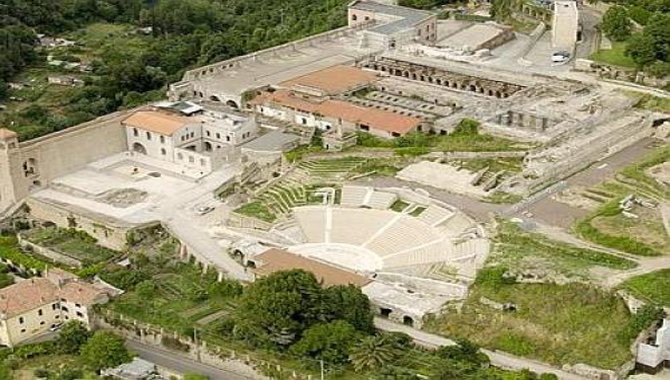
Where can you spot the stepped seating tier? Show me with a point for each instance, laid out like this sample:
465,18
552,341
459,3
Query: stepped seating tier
371,240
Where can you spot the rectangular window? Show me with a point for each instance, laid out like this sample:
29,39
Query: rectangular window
148,135
80,315
39,312
21,320
162,139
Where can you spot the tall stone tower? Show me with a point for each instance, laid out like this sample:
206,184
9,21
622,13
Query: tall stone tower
9,144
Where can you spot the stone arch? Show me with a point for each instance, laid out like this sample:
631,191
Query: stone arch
139,148
472,87
438,81
232,104
214,98
408,321
208,146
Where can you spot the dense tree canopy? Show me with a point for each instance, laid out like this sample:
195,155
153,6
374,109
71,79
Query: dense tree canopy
186,33
616,23
104,350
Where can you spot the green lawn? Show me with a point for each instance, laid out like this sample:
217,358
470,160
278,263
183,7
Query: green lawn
614,56
559,324
257,210
653,287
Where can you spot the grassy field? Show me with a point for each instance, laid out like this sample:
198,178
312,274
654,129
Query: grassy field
559,324
652,287
608,227
522,251
650,102
614,56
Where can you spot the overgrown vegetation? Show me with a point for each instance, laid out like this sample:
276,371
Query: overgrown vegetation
74,354
631,180
652,287
131,66
559,324
466,137
524,251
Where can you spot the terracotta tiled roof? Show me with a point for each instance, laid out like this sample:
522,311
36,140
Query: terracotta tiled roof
159,122
333,80
81,292
373,117
275,260
36,292
27,295
7,134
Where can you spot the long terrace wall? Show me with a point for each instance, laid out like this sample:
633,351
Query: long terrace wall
217,68
60,153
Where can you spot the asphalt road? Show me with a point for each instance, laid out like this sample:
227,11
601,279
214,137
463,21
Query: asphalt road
181,365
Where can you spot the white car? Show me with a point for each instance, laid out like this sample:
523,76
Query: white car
204,210
560,56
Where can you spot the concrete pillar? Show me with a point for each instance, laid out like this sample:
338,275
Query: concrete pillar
220,277
544,123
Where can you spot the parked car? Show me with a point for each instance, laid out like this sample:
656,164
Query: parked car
56,327
204,210
560,56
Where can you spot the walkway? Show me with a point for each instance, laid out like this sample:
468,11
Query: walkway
178,216
497,358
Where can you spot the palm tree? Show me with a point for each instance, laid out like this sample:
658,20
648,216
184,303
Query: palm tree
373,352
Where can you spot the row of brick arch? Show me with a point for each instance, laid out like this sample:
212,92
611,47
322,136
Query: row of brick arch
476,87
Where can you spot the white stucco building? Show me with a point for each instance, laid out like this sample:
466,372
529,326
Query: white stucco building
203,141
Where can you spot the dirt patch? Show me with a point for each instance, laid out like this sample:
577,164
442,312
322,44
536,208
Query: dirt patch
573,197
123,198
661,173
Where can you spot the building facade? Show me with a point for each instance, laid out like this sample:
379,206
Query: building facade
202,142
32,307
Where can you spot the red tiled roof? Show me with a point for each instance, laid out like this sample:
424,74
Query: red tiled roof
275,260
373,117
333,80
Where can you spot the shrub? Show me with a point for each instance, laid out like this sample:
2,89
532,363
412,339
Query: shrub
467,127
494,277
225,288
641,320
41,373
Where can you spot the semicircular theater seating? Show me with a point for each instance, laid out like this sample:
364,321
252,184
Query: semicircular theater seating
373,240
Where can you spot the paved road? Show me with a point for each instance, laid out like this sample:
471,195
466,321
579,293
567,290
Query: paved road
551,212
179,216
589,20
181,365
498,359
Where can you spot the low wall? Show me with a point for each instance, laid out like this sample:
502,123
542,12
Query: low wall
534,37
49,253
242,365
